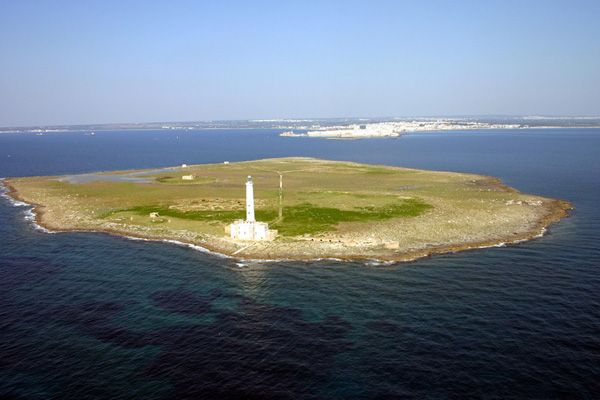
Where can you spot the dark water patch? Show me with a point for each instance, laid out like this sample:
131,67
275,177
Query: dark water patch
26,271
249,356
384,327
87,314
181,301
216,293
258,351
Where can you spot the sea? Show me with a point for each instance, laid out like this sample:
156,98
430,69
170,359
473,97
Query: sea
95,316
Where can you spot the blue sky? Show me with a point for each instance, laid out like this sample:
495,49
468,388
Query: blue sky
67,62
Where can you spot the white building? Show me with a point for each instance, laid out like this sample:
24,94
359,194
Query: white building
250,229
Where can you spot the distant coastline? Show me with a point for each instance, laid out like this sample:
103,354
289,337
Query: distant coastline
397,128
323,124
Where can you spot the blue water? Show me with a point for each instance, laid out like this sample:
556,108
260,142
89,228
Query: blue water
86,316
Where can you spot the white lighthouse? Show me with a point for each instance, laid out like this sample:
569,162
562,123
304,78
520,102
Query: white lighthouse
250,200
250,229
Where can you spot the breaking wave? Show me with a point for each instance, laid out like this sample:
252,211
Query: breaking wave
28,213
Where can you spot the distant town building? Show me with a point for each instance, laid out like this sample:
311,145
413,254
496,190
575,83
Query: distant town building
250,229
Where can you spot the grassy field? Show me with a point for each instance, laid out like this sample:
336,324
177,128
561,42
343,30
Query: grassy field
298,219
342,202
317,195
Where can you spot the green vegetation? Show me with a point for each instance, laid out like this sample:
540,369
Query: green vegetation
224,216
307,218
299,219
379,171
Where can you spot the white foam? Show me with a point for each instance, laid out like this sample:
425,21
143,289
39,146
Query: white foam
30,217
517,241
248,261
326,259
542,233
379,263
195,247
178,243
136,238
4,194
28,214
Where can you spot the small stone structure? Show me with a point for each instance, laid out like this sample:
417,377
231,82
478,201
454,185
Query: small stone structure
250,229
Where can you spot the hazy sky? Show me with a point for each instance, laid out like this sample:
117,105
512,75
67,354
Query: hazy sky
67,62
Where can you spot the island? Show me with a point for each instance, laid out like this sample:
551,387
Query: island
294,208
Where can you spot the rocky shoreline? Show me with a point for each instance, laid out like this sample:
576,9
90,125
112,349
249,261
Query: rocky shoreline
556,210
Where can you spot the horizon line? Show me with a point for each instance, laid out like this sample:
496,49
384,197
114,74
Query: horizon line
306,119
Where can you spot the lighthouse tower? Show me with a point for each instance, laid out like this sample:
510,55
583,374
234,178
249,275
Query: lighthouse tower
250,229
250,200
